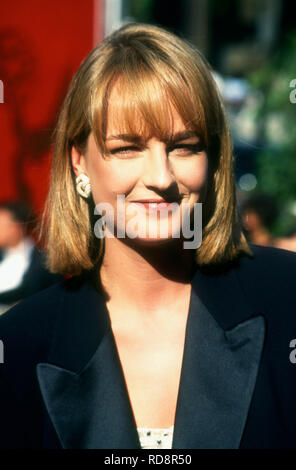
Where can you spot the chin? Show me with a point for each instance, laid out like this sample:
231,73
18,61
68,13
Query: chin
152,241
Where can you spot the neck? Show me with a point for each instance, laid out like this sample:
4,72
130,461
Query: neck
145,278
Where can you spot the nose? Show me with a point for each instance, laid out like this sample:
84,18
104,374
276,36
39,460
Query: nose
157,171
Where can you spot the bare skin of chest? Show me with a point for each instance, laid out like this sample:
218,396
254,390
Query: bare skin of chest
151,353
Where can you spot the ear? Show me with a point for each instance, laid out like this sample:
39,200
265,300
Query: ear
78,161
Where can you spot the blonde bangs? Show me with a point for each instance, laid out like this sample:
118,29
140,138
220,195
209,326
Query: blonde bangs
144,104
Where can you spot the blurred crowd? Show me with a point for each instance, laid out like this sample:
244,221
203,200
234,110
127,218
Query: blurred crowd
22,264
259,214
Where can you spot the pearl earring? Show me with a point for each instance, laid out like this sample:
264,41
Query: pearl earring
83,186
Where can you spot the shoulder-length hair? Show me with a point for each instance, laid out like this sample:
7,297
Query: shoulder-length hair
155,69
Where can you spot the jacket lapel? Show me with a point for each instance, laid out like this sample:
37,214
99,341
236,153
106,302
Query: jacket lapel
84,390
85,394
90,410
217,381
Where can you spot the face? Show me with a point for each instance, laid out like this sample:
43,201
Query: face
251,220
11,231
156,178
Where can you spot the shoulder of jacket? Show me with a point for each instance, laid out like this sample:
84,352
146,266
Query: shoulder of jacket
34,317
269,278
269,263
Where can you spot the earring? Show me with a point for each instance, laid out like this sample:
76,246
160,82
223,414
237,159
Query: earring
83,186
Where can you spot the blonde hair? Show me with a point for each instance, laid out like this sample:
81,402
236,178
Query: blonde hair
155,69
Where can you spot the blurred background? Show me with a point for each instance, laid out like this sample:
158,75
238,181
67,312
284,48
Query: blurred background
251,45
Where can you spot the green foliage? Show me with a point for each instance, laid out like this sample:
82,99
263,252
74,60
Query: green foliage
276,163
141,10
276,122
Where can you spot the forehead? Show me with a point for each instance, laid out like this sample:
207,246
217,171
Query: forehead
147,118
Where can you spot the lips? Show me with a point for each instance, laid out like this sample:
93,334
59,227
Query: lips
154,204
159,200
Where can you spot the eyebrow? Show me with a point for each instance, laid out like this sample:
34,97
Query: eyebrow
134,138
127,137
182,135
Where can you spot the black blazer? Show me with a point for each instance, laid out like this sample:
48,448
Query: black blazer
36,278
62,384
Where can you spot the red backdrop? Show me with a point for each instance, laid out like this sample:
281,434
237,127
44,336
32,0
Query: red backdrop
41,46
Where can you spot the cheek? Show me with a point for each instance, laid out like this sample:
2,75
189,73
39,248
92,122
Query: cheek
111,177
194,174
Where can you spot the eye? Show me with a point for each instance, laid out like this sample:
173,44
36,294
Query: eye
125,151
186,149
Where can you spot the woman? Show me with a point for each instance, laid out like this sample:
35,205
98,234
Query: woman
153,343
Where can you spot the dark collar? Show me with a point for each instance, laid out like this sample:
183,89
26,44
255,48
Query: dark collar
83,386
